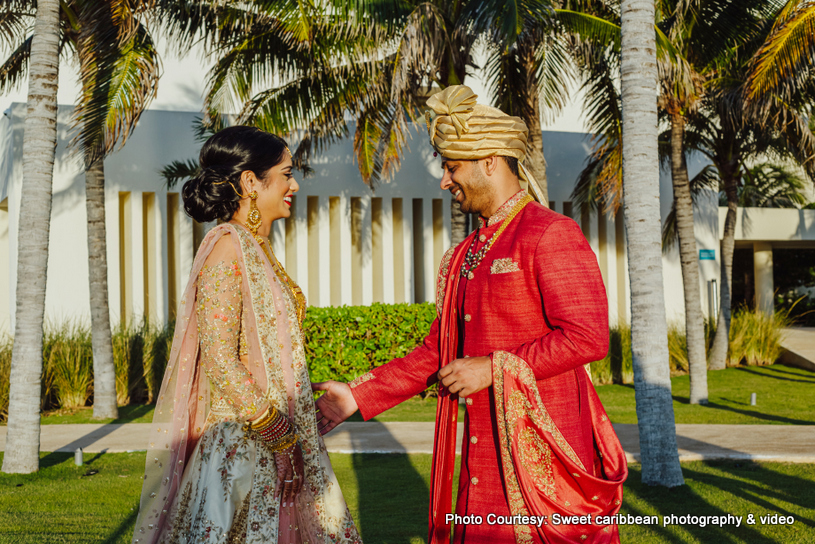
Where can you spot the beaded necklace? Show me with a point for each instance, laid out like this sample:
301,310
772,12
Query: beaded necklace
474,258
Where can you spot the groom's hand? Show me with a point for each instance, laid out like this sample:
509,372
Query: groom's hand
467,376
335,406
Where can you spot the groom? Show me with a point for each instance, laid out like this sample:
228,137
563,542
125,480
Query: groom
521,309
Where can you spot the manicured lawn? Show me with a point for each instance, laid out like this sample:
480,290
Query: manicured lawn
134,413
785,396
388,497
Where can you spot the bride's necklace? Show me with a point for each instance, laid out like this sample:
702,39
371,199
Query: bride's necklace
280,272
474,258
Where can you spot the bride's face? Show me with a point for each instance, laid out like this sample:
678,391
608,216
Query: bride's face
275,191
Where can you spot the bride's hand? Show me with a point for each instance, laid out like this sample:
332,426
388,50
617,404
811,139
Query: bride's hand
290,473
335,406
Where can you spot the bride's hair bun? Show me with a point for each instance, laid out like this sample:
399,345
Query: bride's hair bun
215,192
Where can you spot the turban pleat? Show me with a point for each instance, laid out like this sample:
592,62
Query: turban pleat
461,129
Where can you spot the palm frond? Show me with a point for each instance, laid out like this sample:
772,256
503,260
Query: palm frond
772,186
14,70
591,28
179,171
16,22
506,21
119,81
786,58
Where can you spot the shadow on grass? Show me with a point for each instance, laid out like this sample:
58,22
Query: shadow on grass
747,479
751,413
132,412
393,498
791,373
124,528
54,458
684,500
763,375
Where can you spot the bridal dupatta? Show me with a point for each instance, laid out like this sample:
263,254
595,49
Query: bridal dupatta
278,367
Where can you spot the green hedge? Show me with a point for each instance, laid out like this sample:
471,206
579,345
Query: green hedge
343,343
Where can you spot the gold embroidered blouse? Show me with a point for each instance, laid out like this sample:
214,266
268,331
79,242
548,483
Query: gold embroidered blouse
219,308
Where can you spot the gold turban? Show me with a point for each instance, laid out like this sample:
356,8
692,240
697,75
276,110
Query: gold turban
462,129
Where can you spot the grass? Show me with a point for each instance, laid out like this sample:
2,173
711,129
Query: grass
98,502
785,396
133,413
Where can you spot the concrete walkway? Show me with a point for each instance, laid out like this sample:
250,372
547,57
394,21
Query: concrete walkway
799,343
785,443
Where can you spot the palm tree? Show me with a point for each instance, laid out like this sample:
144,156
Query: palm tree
649,329
39,146
118,68
767,106
690,71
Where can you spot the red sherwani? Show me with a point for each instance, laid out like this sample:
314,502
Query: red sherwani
537,294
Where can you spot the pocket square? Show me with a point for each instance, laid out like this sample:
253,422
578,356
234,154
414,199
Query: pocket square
504,266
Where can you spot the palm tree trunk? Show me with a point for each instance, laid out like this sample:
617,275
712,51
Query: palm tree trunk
721,341
39,147
534,149
649,329
458,220
694,319
104,373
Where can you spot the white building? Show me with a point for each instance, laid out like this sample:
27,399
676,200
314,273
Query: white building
344,243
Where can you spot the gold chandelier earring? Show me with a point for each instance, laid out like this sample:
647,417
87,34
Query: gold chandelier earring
253,220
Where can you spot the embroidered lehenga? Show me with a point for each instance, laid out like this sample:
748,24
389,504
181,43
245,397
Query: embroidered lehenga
238,345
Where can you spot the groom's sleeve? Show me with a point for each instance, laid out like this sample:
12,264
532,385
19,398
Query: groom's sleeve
386,386
574,301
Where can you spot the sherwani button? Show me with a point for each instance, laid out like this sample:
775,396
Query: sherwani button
469,402
468,318
474,439
474,480
482,238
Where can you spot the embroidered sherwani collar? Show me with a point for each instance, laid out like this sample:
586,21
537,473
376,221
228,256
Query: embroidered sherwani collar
503,211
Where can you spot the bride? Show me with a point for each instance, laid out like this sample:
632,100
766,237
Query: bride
234,453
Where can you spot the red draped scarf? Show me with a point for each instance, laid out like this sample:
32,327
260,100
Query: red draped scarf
444,446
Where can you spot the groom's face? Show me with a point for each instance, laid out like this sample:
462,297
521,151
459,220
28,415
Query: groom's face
469,186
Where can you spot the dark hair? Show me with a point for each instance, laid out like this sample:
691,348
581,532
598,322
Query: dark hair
214,193
512,163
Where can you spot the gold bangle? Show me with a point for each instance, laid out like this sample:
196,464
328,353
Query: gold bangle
284,443
266,418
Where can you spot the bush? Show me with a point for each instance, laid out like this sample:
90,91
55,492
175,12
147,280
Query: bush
128,359
346,342
755,337
616,367
68,370
5,370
